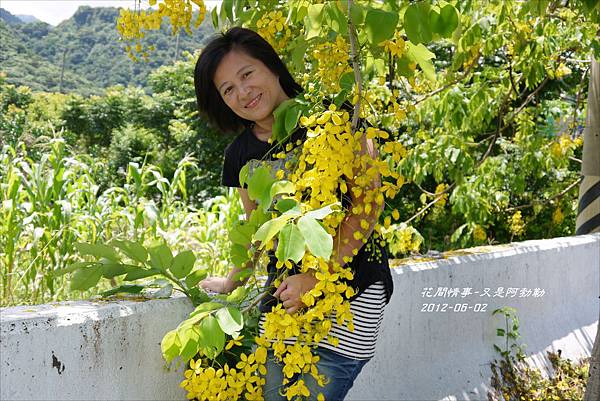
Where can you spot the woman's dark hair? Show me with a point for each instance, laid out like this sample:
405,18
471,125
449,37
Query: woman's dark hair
210,102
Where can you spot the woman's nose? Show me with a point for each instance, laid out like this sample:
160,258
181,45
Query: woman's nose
244,90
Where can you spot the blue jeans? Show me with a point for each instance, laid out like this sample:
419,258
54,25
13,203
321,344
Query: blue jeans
339,370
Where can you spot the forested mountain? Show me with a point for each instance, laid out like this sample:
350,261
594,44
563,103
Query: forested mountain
27,18
32,54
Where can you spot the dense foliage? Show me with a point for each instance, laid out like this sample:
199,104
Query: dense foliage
32,54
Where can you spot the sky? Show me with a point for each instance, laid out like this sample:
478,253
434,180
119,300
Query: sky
55,11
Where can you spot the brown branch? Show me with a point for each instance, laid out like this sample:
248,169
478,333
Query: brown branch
530,98
439,196
354,57
443,88
541,202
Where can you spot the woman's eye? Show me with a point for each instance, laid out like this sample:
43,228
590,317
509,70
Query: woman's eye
226,91
247,73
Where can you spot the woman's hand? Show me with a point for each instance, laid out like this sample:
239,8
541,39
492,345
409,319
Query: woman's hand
290,291
222,285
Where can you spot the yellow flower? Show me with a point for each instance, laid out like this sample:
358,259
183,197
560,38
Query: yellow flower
479,233
232,342
557,216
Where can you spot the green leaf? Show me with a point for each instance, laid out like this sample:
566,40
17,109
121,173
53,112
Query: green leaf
97,250
298,52
282,187
195,277
214,17
324,211
357,12
318,241
198,296
189,337
160,257
243,176
291,244
268,230
205,307
420,55
183,264
230,320
416,23
380,25
500,332
239,255
259,187
237,295
241,234
110,270
279,125
242,274
313,22
86,278
291,119
337,19
228,5
211,337
285,204
170,346
162,292
457,233
71,268
140,273
132,249
444,22
347,81
125,288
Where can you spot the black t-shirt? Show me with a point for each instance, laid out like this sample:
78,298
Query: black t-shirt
369,265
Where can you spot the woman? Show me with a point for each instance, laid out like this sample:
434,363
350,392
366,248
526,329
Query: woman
239,81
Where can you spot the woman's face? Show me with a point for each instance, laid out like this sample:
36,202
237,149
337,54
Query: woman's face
248,87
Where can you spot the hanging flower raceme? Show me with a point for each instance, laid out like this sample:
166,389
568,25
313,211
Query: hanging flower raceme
274,29
132,25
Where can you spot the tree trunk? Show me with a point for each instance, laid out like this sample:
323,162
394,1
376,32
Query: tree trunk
588,218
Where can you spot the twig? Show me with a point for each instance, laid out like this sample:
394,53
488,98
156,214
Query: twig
529,98
559,195
439,196
443,88
354,57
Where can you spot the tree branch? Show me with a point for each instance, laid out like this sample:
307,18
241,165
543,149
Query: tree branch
544,201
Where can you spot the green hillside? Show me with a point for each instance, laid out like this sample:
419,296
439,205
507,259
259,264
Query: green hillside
32,54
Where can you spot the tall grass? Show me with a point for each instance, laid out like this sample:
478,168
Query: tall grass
51,203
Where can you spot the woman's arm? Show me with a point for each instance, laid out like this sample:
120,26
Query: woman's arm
228,284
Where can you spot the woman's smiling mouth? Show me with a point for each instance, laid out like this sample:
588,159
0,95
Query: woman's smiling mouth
254,102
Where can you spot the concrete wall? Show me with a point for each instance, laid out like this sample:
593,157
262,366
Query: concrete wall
111,351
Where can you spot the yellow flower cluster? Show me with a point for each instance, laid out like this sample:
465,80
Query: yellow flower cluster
132,24
479,233
564,144
517,225
438,190
402,238
332,63
331,158
224,384
561,71
395,46
558,216
273,28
